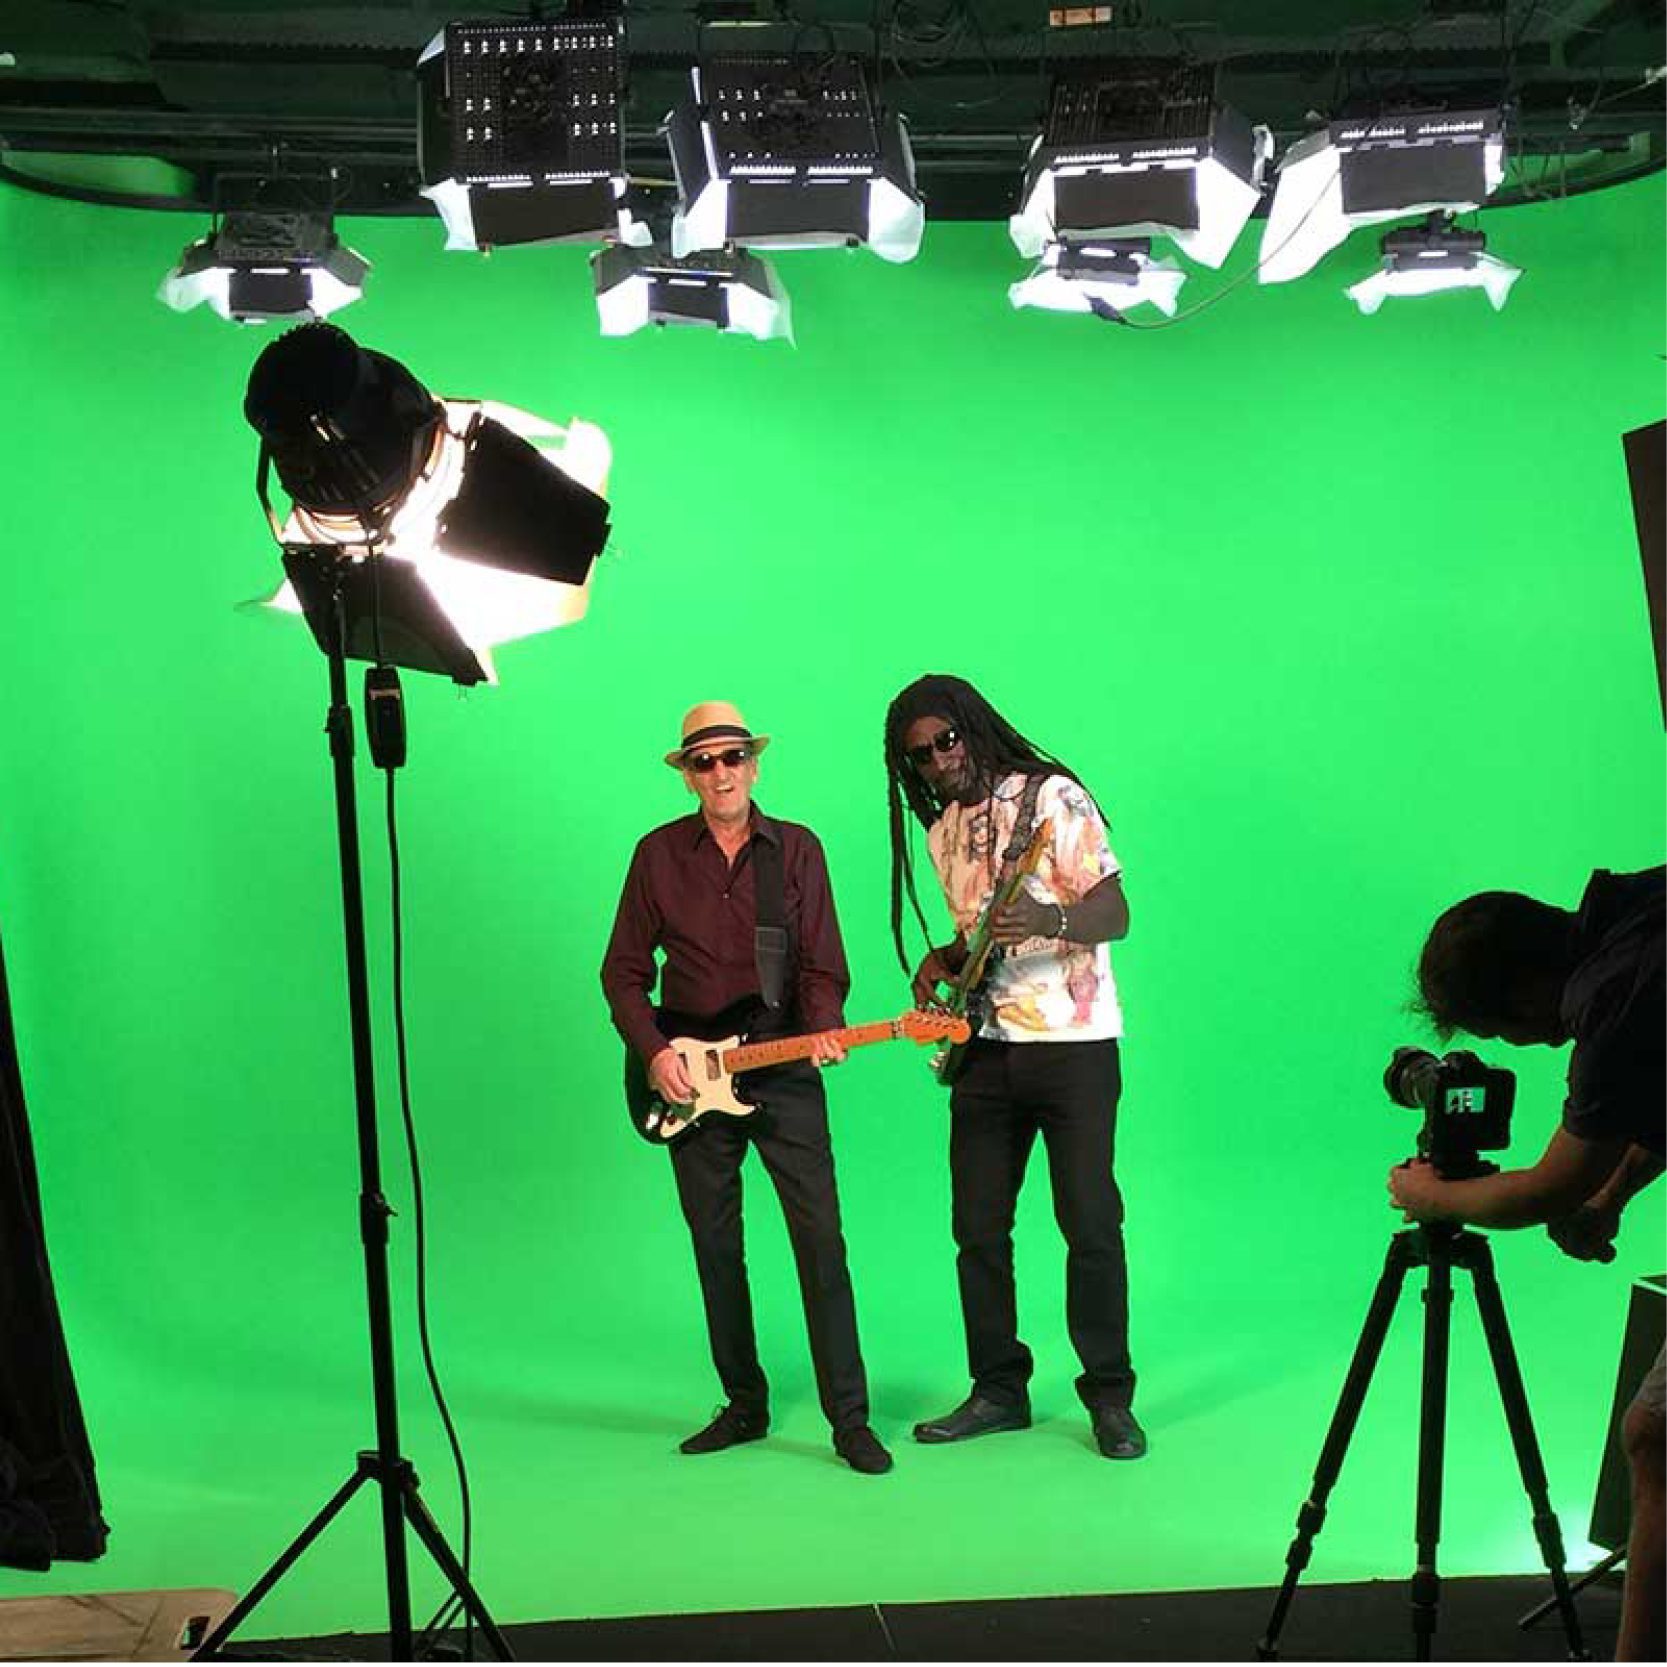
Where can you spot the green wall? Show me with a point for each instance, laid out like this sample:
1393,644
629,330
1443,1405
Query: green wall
1340,617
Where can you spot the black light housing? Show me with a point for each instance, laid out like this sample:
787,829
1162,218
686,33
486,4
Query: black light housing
520,137
498,535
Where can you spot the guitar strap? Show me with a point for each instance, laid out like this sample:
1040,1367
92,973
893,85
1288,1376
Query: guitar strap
1024,825
771,946
1023,828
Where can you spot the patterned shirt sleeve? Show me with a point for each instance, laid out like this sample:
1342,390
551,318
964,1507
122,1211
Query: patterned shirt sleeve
1081,856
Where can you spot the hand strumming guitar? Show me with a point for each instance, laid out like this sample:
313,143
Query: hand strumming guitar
669,1078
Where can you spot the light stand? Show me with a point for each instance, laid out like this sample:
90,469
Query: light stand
342,599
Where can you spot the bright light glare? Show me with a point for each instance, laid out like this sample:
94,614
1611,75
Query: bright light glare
488,605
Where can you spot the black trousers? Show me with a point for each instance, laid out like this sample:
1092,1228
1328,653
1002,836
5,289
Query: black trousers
1006,1094
790,1132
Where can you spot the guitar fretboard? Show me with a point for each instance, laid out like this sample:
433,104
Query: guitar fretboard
750,1056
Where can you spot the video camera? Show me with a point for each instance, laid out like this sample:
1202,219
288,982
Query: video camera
1466,1105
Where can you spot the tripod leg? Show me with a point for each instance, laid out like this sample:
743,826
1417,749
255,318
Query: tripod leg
428,1531
1514,1397
1311,1516
1595,1573
209,1649
1432,1442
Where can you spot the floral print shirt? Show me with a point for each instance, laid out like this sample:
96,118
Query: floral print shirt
1042,990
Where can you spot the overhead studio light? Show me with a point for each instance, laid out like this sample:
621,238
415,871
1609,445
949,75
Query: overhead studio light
257,265
791,152
1104,276
1142,147
451,501
728,290
519,136
1365,170
1421,260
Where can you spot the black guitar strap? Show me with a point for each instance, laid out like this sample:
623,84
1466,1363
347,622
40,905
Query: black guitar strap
1023,828
771,947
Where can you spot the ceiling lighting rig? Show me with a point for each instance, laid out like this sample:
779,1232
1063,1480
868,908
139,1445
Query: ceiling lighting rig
726,290
520,138
1133,149
791,152
1367,170
263,264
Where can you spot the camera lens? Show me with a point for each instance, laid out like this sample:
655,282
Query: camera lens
1411,1077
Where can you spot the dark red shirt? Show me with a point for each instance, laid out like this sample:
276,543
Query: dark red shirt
685,900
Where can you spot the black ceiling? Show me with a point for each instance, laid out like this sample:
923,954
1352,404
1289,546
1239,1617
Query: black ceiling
90,89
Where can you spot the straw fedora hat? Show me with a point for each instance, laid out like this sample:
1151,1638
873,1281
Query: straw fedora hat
711,721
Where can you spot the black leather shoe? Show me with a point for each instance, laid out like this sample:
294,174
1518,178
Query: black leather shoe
975,1416
1117,1433
730,1428
860,1448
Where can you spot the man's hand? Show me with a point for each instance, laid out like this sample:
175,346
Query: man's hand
1024,918
669,1078
827,1049
1587,1234
932,971
1416,1189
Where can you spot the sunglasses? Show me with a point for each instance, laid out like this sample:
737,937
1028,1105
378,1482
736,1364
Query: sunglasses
946,740
704,763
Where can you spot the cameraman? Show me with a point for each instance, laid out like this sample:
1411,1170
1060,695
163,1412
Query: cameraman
1501,965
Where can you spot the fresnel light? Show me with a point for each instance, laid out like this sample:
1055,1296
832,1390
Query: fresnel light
495,535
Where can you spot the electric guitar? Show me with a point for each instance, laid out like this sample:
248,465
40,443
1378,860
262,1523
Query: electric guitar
718,1052
963,999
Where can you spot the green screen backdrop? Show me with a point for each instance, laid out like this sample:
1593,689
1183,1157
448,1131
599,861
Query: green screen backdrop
1340,617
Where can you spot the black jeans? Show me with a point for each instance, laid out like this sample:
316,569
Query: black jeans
1006,1093
790,1131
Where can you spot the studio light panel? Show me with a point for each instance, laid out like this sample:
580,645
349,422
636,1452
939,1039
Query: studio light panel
790,152
520,138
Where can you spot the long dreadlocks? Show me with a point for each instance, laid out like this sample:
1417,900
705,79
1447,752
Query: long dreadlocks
994,748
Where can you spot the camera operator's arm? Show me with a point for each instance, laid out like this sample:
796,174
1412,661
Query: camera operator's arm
1569,1172
1587,1233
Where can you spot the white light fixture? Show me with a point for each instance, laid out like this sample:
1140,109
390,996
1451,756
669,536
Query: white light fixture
731,291
1422,260
1142,147
520,138
1365,171
1106,277
791,153
498,514
257,266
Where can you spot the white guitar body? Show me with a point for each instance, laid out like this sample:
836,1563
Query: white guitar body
714,1086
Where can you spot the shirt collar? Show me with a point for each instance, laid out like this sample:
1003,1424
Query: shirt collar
757,824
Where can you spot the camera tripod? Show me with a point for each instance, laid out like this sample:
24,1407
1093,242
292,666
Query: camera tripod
1439,1248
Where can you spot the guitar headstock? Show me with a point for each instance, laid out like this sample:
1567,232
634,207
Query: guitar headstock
934,1025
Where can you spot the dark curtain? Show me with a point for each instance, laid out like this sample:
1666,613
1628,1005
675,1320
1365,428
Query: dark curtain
49,1505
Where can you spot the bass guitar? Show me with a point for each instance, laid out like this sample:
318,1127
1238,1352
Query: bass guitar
716,1052
963,999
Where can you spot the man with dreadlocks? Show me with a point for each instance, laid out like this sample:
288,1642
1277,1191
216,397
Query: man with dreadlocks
1045,1056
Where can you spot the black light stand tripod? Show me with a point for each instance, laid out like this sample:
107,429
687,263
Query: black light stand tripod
1439,1248
338,598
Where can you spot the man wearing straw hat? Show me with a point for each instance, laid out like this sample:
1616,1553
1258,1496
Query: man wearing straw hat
694,894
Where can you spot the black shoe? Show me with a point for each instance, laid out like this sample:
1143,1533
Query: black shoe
730,1428
860,1448
1117,1433
975,1416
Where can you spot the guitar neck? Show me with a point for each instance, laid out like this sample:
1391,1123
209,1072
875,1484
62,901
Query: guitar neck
751,1056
